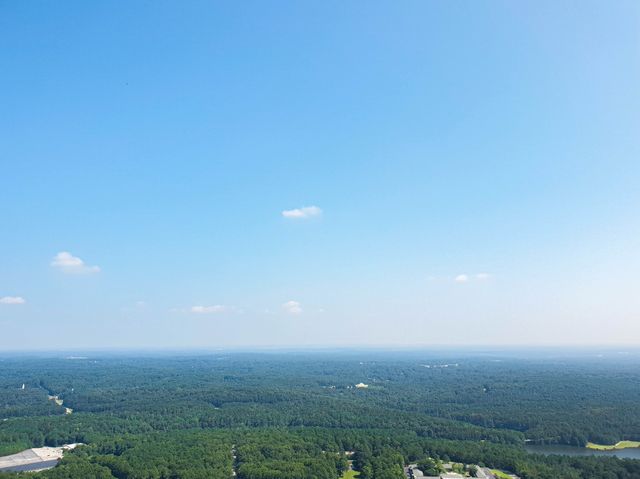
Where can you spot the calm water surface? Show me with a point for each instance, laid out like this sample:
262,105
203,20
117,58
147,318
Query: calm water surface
631,453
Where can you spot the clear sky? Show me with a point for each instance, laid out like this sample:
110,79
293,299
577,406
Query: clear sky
201,174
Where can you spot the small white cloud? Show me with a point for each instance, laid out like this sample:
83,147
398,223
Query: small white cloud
483,276
462,278
12,300
67,263
136,307
302,213
215,309
292,307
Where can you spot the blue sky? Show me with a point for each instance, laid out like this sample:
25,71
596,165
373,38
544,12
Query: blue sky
474,168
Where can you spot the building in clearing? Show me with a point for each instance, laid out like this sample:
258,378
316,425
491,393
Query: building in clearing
362,386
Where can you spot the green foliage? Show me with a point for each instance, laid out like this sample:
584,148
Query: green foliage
430,467
286,417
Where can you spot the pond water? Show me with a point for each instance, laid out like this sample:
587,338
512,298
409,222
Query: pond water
631,453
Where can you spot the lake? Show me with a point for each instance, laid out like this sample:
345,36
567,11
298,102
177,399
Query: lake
631,453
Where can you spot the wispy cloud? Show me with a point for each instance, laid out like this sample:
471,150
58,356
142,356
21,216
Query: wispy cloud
215,309
302,213
465,278
67,263
12,300
136,307
292,307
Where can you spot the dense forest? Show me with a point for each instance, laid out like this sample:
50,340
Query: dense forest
271,416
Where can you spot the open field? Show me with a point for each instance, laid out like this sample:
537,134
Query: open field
32,459
500,474
350,474
618,445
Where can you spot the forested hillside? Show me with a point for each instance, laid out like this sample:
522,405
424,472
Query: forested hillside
269,416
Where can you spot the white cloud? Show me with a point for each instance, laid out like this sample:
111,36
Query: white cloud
302,213
67,263
136,307
465,278
215,309
12,300
292,307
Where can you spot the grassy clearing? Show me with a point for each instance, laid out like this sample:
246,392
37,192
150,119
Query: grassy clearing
619,445
500,474
350,474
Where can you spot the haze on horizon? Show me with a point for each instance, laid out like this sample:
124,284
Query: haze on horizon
224,174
